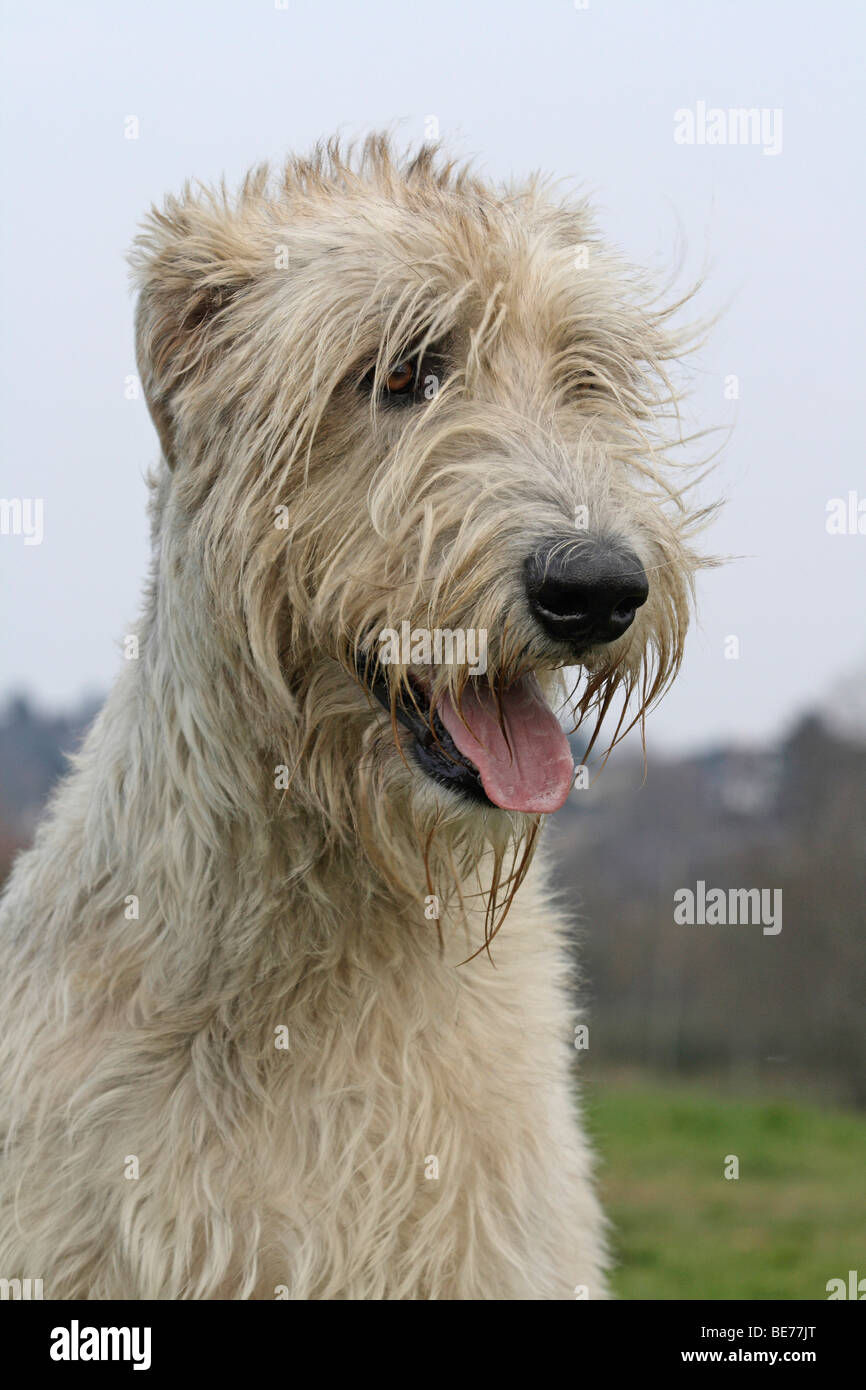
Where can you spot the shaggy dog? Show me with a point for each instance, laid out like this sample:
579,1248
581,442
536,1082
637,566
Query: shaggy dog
258,1041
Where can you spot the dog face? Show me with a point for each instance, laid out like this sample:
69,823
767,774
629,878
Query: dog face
414,430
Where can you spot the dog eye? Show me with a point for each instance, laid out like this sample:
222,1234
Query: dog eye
411,380
401,378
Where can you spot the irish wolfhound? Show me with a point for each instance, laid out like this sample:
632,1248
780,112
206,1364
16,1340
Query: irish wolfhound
414,434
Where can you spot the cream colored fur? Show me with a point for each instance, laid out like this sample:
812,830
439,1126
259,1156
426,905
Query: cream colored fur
417,1136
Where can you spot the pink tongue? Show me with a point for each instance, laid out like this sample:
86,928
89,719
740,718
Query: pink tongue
535,772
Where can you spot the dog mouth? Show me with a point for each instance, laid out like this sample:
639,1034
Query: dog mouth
502,749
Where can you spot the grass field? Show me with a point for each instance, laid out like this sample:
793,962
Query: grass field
794,1218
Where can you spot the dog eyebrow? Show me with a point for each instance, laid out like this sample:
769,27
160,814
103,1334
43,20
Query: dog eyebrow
413,349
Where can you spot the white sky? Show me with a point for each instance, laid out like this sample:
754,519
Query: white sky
584,93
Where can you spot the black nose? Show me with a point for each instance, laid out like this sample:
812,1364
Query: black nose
587,591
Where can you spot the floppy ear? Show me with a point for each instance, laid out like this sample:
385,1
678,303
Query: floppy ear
188,262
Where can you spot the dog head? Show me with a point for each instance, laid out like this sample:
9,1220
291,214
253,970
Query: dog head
416,439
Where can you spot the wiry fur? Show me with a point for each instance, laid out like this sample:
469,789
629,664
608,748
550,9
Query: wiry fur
306,1169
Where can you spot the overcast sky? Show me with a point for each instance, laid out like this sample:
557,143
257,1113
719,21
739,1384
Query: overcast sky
586,93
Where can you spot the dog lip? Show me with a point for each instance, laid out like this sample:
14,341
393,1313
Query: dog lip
433,748
439,757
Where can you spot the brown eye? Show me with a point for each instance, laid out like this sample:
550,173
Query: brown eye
401,377
411,380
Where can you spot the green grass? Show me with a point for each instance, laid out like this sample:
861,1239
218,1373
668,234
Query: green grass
795,1218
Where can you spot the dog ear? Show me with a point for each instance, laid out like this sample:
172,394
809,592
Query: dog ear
189,262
